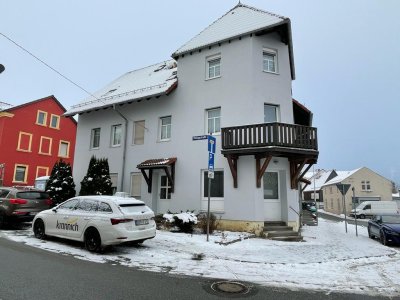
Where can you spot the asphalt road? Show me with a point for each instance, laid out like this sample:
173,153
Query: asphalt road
31,273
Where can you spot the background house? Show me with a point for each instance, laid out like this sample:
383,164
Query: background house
368,186
33,136
235,79
317,179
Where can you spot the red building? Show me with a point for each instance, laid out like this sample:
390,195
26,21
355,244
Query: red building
33,136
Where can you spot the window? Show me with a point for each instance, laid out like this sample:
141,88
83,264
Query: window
104,207
116,135
136,185
24,142
41,118
271,113
213,67
269,61
55,121
20,173
42,171
217,185
70,205
165,188
87,205
214,120
95,138
165,128
114,182
139,127
63,149
365,185
271,185
45,145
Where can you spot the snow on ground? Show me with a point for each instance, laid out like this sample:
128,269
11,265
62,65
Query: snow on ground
328,260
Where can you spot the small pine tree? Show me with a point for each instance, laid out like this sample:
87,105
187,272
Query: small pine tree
97,180
60,185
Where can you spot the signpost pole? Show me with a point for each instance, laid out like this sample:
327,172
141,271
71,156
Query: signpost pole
208,209
344,209
354,202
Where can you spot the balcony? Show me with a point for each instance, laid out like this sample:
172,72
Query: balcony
296,142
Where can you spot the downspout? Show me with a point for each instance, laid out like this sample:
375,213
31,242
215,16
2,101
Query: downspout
125,145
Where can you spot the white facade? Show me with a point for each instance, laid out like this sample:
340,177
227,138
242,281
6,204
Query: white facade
239,92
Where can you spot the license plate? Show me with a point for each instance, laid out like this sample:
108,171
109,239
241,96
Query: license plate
142,222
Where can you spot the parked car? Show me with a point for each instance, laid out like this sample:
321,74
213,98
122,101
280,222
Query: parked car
98,221
40,182
21,204
386,228
370,208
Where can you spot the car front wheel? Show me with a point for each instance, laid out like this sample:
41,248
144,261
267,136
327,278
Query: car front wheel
92,240
39,230
371,236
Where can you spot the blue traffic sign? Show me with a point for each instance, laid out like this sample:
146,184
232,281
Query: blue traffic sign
212,143
210,161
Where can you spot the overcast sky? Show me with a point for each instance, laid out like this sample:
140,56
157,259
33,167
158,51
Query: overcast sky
347,60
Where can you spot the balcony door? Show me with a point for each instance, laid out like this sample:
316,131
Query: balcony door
272,197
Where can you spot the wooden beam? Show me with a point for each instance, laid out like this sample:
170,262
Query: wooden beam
232,161
261,170
295,170
305,171
149,179
170,178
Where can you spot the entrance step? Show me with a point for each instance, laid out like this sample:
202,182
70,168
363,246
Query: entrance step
279,231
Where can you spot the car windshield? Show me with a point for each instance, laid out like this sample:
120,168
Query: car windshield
391,219
33,195
132,208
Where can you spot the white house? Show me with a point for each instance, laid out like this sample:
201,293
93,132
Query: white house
233,80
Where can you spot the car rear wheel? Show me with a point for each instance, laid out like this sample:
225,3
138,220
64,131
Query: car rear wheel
383,238
92,240
39,230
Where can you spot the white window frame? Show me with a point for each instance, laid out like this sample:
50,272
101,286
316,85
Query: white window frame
204,174
213,120
272,64
277,112
366,185
65,155
166,127
92,138
167,187
216,69
25,173
116,135
114,182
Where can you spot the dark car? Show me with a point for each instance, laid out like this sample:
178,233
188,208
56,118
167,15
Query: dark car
386,228
21,204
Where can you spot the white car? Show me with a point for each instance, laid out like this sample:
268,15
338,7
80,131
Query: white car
98,221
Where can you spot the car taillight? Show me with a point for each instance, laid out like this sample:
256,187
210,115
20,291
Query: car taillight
18,201
49,202
117,221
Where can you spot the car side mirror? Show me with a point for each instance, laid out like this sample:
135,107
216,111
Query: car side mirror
54,209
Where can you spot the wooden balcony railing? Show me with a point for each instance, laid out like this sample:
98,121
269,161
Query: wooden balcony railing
269,134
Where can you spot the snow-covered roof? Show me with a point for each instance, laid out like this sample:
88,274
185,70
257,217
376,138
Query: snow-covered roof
240,20
155,80
341,175
320,177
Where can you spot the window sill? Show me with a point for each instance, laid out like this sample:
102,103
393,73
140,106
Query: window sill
115,146
22,150
163,141
214,134
211,78
269,72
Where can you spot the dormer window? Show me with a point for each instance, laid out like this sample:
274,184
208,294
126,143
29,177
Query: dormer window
213,65
270,62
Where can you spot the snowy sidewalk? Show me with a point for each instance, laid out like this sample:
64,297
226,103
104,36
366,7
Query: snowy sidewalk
329,259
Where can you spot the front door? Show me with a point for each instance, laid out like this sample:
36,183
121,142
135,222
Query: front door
164,194
272,197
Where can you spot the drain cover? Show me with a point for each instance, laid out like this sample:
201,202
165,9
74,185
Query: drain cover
230,287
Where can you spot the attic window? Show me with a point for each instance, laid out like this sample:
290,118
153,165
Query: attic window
213,66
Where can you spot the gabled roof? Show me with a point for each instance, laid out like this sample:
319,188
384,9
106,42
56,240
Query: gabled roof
11,108
342,175
240,20
155,80
4,106
320,178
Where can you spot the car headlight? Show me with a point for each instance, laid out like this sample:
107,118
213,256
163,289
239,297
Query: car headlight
391,232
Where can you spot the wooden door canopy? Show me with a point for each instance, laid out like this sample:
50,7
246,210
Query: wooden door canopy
166,164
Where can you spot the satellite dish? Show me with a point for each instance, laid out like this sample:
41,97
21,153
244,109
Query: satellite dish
2,68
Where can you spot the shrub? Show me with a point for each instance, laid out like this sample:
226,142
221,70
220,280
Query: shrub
185,221
202,222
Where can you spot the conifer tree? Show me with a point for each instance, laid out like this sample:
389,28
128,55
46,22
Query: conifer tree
97,180
60,185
